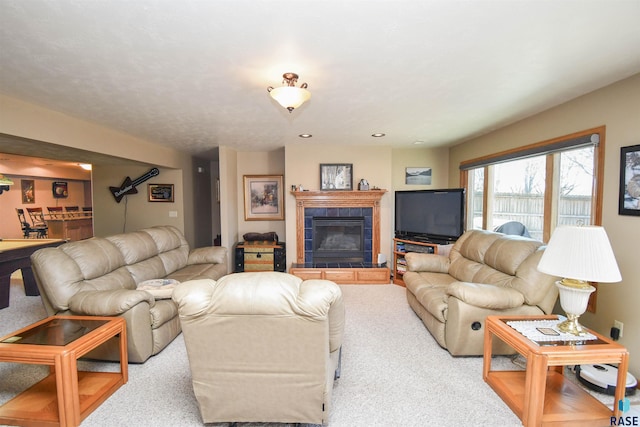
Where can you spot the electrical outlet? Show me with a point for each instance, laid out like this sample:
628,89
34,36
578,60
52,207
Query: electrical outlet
618,324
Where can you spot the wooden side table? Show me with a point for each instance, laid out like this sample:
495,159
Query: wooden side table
66,396
541,396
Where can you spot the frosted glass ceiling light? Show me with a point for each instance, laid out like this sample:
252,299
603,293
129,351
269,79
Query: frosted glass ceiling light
290,96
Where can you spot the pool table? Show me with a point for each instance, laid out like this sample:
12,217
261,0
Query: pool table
14,255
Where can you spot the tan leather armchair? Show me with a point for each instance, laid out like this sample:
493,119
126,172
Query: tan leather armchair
485,273
262,346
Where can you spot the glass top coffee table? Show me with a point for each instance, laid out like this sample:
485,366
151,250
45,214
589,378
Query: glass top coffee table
66,396
541,395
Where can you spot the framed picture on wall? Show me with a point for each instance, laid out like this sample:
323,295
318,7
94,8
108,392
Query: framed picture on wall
160,192
336,176
417,176
263,198
629,199
60,189
28,191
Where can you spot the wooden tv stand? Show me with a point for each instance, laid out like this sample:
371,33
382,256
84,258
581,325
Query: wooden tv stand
400,249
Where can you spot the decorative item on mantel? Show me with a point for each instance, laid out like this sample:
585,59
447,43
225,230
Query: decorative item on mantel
579,254
363,185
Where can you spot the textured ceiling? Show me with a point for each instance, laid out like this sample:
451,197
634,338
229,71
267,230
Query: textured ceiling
193,73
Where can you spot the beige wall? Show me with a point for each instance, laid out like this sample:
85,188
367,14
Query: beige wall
618,108
229,199
435,158
134,211
302,164
258,163
31,121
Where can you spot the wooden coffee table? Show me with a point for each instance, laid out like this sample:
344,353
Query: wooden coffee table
541,396
66,396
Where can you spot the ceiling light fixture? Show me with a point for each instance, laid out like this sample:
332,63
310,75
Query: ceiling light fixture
305,135
5,183
290,96
378,135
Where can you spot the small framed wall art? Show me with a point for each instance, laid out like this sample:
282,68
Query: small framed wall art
629,199
28,191
417,176
60,189
160,192
263,198
336,176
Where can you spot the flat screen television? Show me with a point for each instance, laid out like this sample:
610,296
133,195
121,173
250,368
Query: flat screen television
435,216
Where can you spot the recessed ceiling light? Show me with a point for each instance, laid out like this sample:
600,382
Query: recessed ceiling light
305,135
418,142
378,135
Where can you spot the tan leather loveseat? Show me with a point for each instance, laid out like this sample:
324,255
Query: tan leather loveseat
262,346
485,273
99,276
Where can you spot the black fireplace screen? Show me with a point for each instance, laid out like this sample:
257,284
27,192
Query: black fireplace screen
338,239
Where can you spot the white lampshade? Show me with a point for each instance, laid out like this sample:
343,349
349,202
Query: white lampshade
580,253
290,97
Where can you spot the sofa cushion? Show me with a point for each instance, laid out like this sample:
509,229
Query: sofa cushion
135,246
167,238
507,253
474,245
486,296
152,268
94,257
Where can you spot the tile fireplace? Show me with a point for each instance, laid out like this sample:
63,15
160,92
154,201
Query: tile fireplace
353,221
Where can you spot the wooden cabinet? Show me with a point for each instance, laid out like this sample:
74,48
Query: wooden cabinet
400,248
352,276
70,228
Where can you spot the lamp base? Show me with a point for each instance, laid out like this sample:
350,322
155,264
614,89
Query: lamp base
574,298
571,325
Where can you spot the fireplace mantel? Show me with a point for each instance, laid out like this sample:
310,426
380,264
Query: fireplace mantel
338,199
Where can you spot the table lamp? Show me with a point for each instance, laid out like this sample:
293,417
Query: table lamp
579,254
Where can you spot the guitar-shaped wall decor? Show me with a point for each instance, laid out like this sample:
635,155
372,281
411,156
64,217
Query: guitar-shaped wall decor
129,187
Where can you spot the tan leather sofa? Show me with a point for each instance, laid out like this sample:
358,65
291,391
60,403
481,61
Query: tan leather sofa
262,346
99,276
485,273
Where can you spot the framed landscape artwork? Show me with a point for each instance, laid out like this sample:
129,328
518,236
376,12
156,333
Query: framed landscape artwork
629,199
263,198
417,176
336,176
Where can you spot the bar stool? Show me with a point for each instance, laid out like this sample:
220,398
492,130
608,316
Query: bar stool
72,210
55,212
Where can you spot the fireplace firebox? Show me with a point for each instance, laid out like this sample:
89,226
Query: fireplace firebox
338,239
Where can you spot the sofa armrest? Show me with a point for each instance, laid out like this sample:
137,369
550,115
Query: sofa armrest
485,296
208,255
108,303
193,297
427,262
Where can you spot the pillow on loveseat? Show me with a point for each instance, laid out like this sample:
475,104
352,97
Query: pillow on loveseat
159,288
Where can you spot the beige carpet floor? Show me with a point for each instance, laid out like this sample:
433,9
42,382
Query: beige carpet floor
393,373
